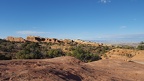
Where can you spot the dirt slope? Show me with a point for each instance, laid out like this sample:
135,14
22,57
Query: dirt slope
70,69
120,70
139,56
126,54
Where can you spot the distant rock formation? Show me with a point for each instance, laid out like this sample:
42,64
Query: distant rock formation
34,39
50,40
15,39
53,40
67,41
40,39
88,42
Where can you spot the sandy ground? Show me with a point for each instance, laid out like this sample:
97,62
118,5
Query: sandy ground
70,69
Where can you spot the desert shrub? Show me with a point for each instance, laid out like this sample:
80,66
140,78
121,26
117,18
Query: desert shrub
29,51
27,54
140,46
83,55
129,55
100,50
54,53
126,47
5,57
142,42
105,55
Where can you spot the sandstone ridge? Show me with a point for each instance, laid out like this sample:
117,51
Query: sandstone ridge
49,40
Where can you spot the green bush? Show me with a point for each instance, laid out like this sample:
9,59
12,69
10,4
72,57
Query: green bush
54,53
84,56
140,46
26,54
4,57
29,51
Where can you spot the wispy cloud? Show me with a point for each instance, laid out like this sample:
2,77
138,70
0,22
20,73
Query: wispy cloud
122,36
123,27
27,32
134,19
105,1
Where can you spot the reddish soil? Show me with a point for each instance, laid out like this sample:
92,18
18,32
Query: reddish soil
70,69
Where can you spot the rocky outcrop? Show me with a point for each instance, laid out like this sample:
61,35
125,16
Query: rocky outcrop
50,40
53,40
15,39
35,39
87,42
67,41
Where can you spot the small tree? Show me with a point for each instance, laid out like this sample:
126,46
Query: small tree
141,46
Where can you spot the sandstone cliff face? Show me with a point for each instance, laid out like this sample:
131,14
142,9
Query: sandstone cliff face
15,39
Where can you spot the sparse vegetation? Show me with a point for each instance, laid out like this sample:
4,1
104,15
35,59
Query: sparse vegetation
4,57
29,51
41,50
126,47
84,55
140,46
38,50
54,53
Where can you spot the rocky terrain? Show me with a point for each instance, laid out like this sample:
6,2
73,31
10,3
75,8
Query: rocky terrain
70,69
126,54
50,59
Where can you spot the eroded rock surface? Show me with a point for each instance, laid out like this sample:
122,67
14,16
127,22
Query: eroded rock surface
70,69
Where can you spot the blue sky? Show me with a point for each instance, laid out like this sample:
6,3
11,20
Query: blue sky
73,19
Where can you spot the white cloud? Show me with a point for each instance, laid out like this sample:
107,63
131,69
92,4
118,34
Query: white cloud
105,1
30,32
